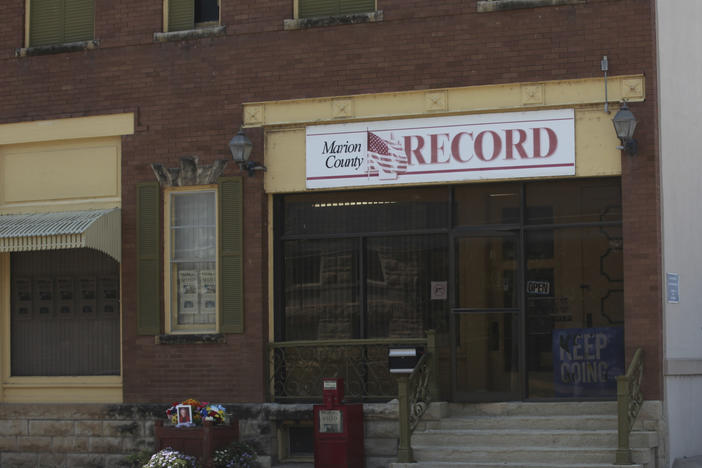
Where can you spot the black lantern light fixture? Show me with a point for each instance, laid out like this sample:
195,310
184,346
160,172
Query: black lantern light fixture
241,147
625,124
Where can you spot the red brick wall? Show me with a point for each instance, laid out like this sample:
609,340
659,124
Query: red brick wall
188,99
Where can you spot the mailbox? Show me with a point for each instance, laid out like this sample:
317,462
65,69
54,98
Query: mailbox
403,360
338,429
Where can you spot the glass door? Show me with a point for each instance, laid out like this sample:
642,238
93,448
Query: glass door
486,319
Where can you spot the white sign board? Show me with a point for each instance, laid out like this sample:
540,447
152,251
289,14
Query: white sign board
442,149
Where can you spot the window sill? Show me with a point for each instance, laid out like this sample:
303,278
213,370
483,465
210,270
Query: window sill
199,338
486,6
57,48
199,33
324,21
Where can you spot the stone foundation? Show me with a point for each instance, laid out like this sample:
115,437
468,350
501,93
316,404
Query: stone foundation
103,436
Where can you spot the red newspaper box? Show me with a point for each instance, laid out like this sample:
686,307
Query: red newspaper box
338,429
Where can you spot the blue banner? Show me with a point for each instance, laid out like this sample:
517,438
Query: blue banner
586,361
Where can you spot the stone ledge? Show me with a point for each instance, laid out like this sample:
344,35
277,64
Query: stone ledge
57,48
485,6
199,33
325,21
201,338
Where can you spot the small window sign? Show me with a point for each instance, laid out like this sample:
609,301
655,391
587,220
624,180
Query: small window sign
672,281
330,421
538,288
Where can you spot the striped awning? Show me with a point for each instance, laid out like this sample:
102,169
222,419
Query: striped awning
97,229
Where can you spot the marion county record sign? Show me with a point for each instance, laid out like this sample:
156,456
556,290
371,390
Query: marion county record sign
441,149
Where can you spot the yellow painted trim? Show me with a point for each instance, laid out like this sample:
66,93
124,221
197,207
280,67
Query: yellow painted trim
4,320
67,129
471,99
165,15
97,175
27,12
271,276
170,285
63,390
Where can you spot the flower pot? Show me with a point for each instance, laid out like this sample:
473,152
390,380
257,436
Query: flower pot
199,441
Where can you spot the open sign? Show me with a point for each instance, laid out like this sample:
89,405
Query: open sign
538,288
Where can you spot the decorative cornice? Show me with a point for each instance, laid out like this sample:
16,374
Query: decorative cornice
189,173
447,101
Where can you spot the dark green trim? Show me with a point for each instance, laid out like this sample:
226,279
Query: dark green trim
181,15
61,21
231,281
148,258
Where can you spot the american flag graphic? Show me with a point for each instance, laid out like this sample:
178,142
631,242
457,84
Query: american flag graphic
386,156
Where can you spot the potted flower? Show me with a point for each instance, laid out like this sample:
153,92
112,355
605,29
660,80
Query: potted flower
169,458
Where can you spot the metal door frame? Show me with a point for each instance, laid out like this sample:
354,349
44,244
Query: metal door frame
516,233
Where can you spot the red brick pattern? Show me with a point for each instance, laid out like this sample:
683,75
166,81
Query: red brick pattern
188,94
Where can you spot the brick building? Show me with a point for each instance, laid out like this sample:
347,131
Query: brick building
184,273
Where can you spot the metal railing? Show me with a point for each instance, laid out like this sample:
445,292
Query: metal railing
298,367
629,401
415,392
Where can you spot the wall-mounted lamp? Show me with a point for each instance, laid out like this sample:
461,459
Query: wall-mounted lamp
625,124
241,147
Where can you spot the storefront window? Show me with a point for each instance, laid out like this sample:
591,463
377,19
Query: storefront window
366,211
507,273
65,313
574,312
322,289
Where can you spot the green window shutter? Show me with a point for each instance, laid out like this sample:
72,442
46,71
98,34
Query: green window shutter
148,259
79,20
181,15
356,6
309,8
45,22
231,281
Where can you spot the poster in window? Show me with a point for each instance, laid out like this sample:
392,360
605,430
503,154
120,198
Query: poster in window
87,296
208,291
187,282
64,292
587,361
44,288
109,296
22,289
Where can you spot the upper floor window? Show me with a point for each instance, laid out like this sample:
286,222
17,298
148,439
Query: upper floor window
311,8
184,15
60,21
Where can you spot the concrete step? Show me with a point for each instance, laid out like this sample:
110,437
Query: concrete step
535,455
521,408
525,434
516,438
558,422
506,465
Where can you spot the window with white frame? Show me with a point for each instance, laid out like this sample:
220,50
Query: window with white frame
192,257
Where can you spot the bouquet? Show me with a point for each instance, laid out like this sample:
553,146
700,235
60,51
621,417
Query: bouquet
201,411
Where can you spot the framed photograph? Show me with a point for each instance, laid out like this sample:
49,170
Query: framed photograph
185,415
